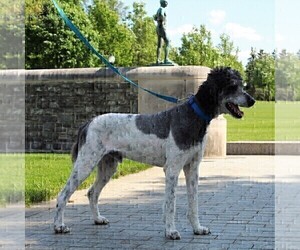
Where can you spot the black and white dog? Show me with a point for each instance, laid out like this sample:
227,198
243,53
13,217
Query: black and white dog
173,139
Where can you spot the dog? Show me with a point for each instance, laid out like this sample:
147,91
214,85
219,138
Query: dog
173,139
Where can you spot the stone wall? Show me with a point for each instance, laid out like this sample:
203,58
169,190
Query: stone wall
11,111
59,101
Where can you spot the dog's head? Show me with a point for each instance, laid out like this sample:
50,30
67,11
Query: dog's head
222,93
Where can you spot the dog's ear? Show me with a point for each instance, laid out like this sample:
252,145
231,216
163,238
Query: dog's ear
208,90
207,96
212,91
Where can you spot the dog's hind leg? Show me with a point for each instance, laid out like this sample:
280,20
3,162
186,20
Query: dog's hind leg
87,159
106,168
191,172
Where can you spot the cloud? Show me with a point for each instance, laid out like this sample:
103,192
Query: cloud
236,30
217,16
186,28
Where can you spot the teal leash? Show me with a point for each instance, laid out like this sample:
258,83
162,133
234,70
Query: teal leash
105,61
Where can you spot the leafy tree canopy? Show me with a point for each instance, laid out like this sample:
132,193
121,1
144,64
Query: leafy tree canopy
260,74
274,76
287,76
114,36
198,49
11,34
49,43
144,30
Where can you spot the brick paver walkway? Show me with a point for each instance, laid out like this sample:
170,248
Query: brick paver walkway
236,200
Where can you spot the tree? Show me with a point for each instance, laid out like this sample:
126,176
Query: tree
260,75
287,76
115,38
197,48
12,34
50,43
143,28
228,54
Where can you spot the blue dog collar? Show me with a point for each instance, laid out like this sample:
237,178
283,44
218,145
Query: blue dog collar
194,105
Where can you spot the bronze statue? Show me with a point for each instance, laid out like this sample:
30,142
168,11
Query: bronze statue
160,17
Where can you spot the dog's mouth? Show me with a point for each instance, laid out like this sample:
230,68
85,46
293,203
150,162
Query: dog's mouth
234,110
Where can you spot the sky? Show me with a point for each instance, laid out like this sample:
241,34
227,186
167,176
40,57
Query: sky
261,24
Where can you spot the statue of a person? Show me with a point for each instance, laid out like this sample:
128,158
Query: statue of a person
160,18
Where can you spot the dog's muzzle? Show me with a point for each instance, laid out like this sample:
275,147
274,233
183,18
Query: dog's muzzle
250,100
246,101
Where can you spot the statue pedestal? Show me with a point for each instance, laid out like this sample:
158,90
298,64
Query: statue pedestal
180,82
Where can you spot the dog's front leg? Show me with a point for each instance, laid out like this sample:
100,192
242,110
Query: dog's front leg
191,172
172,172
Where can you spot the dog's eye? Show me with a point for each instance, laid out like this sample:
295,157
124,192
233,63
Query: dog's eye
246,86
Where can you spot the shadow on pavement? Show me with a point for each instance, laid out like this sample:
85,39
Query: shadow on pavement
239,212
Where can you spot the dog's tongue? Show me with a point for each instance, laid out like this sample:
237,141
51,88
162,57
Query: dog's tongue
235,110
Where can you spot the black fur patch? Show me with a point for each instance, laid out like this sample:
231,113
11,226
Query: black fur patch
186,128
157,124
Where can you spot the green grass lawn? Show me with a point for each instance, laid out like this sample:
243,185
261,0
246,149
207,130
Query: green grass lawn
287,121
256,125
266,121
11,178
46,174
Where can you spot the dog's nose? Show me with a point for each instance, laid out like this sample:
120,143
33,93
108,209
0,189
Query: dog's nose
250,100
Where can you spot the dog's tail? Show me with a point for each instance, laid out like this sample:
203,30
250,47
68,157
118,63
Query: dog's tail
81,138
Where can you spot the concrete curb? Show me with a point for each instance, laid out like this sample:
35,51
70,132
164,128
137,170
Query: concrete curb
263,148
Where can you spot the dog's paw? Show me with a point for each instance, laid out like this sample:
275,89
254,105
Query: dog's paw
101,221
61,229
173,235
202,231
